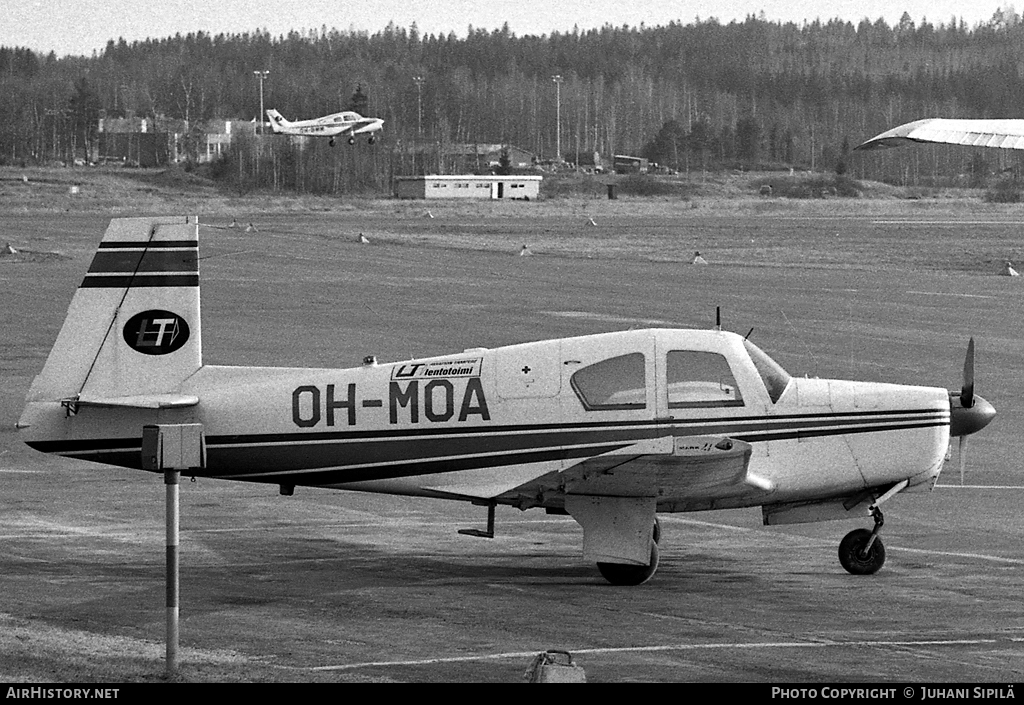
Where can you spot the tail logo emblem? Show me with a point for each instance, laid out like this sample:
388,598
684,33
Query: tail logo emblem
156,332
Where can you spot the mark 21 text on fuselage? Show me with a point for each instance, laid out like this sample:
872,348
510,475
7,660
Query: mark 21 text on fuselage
436,392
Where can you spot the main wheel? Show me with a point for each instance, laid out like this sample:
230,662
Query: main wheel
621,574
853,557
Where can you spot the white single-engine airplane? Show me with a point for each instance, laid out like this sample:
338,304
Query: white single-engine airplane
1004,134
344,123
609,428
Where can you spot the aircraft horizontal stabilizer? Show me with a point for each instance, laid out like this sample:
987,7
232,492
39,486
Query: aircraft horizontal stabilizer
141,401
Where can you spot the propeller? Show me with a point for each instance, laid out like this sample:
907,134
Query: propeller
967,391
968,412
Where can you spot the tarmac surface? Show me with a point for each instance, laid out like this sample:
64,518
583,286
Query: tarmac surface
336,586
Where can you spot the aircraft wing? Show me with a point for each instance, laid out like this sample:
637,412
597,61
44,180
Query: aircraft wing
673,469
1005,134
366,125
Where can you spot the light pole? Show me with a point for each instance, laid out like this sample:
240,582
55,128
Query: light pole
418,80
262,75
557,78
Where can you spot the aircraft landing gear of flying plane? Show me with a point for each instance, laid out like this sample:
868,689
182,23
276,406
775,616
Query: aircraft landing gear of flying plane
372,139
861,551
351,140
332,142
619,574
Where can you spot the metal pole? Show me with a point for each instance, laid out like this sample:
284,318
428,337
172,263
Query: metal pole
262,75
418,80
557,78
171,479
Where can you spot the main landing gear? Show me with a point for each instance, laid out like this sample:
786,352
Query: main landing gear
621,574
861,552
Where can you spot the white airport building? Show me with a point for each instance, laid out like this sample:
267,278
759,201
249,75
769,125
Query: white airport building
492,186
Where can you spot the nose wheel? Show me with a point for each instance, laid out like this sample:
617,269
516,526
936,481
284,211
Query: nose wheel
861,551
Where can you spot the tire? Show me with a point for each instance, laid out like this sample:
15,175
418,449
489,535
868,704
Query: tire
621,574
851,550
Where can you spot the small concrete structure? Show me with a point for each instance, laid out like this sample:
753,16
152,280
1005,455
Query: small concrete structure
524,188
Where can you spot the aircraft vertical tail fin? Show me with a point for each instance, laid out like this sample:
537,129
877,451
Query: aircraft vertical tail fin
277,120
133,326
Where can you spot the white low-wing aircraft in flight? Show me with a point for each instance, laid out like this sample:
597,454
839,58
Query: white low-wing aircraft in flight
610,428
345,123
1004,134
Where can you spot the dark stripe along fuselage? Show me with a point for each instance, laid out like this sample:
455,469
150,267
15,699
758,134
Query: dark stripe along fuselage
337,457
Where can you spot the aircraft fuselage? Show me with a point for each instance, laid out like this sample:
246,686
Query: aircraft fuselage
493,423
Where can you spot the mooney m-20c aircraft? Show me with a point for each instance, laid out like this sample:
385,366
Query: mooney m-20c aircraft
346,123
610,428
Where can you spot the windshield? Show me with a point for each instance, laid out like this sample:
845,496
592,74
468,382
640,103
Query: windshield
774,377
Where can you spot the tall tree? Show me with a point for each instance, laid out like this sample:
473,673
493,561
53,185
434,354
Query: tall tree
84,110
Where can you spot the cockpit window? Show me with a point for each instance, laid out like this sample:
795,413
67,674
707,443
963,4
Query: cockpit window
615,383
700,380
775,378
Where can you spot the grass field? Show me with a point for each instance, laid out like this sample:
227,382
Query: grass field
285,590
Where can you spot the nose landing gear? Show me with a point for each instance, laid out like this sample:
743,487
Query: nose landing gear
861,551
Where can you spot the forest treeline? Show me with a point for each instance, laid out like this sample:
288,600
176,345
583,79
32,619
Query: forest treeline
704,95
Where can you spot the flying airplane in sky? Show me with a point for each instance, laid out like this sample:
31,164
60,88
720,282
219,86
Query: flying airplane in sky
345,123
610,428
1006,134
